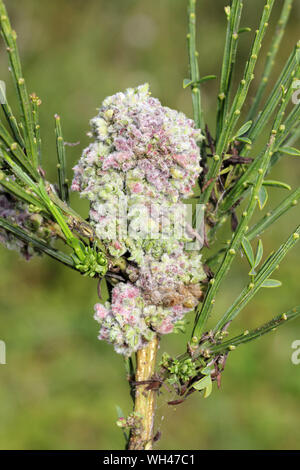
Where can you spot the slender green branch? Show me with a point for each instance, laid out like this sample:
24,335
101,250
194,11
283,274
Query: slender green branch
11,186
40,191
72,241
271,56
287,74
238,102
233,14
194,67
264,273
10,37
36,102
290,71
247,336
61,166
266,221
37,243
12,122
17,152
18,171
203,313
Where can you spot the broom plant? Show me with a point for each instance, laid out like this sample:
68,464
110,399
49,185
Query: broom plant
157,155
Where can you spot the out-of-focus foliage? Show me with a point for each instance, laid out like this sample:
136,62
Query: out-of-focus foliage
60,385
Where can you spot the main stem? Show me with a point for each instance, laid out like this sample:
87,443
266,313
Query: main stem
144,399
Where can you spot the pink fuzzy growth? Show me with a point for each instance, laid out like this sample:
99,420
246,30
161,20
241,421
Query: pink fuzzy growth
165,327
100,312
137,188
75,185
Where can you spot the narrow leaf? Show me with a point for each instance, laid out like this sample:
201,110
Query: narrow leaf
290,151
245,128
276,184
208,390
271,283
245,140
244,30
247,248
187,82
206,78
262,197
259,253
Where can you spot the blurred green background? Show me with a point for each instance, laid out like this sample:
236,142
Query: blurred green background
60,386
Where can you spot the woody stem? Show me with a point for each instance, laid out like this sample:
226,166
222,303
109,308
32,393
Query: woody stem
144,399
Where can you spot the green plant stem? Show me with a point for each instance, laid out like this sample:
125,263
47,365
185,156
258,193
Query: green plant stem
203,312
285,80
238,102
37,243
36,102
12,122
233,14
61,166
10,37
248,336
19,192
194,67
271,56
266,221
264,273
16,151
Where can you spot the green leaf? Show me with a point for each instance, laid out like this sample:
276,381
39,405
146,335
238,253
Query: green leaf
204,384
271,283
206,78
207,370
245,128
247,248
208,390
290,151
259,253
244,30
245,140
188,82
262,197
276,184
